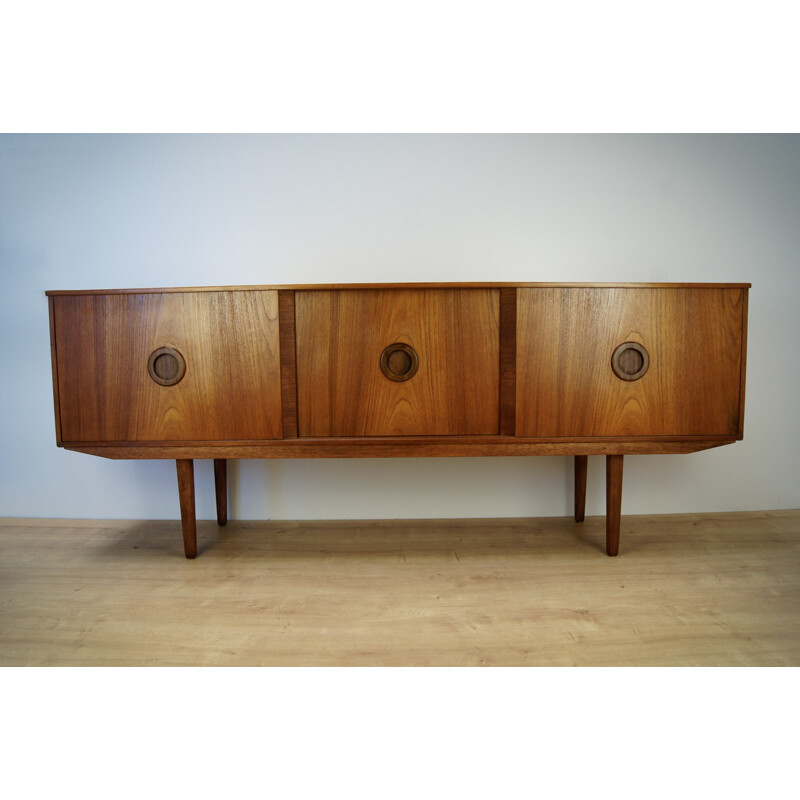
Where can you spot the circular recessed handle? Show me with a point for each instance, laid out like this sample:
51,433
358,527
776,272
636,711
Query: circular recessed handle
630,361
399,362
166,366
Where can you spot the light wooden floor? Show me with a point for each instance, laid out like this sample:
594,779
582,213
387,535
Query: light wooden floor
710,589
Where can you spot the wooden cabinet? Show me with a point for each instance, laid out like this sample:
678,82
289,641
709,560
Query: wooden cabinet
449,337
692,338
399,370
227,342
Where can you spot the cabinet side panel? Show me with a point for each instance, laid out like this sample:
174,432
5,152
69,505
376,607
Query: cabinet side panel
54,366
79,351
745,298
231,387
342,390
565,383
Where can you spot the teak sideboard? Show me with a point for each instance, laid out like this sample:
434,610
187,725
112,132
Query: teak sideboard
397,370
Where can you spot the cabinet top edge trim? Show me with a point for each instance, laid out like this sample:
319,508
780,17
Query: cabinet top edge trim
345,286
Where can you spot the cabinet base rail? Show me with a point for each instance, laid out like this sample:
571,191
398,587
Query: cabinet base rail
185,468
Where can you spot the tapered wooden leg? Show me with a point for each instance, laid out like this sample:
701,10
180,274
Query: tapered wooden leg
613,502
221,487
186,491
581,463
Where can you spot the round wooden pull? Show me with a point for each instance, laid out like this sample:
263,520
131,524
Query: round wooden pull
399,362
630,361
166,366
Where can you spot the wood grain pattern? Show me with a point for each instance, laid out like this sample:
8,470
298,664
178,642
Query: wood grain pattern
508,361
690,590
614,465
745,299
342,391
54,364
565,384
231,389
185,469
411,447
221,489
581,469
288,363
304,287
398,371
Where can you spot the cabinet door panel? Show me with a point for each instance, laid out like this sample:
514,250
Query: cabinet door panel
231,386
342,390
566,338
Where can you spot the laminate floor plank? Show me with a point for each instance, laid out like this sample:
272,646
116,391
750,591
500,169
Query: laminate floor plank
686,590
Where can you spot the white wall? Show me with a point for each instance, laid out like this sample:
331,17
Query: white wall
127,211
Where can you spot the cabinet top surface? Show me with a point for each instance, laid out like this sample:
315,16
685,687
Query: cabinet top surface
344,286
